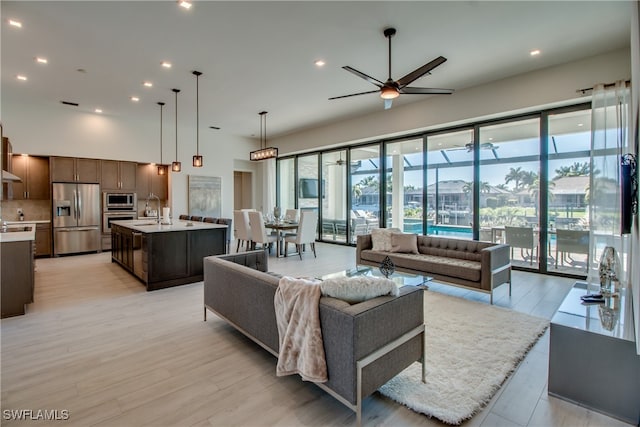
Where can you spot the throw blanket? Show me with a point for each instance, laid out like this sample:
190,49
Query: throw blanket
298,319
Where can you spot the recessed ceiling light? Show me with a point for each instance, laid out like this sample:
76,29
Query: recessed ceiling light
166,64
320,63
135,99
184,3
21,77
41,60
535,52
15,23
580,124
147,84
98,110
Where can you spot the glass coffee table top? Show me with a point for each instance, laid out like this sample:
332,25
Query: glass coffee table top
399,277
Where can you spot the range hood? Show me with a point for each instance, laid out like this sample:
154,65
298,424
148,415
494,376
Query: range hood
9,177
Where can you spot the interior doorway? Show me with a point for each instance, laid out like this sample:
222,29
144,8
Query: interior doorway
242,190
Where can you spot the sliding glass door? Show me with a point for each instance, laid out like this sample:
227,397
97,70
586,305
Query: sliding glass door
404,184
364,170
333,227
509,186
450,184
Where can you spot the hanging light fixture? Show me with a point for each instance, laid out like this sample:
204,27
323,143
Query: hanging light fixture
176,166
162,169
264,152
197,159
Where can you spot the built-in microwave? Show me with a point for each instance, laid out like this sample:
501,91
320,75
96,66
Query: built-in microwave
118,201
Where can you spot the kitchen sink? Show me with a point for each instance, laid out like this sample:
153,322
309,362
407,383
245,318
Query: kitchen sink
146,223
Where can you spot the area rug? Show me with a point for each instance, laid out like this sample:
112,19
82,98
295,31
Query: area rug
471,350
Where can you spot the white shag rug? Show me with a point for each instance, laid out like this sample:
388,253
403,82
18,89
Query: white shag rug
472,348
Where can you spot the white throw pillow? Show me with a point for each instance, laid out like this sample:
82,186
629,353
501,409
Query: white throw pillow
358,289
381,238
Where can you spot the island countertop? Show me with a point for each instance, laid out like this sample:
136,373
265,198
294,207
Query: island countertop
27,232
150,226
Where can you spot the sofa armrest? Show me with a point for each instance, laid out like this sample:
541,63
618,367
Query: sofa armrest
363,242
258,260
494,259
352,332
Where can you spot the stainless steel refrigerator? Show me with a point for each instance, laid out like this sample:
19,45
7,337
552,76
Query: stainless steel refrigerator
76,218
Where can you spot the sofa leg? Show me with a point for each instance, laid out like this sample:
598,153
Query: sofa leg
205,314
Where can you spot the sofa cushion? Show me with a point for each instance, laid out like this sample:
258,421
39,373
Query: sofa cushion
381,238
404,243
358,289
451,267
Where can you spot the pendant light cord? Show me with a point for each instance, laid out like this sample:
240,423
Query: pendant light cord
161,104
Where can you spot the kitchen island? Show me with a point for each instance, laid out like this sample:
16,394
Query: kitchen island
17,265
165,255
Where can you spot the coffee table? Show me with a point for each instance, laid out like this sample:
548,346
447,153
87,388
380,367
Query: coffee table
399,277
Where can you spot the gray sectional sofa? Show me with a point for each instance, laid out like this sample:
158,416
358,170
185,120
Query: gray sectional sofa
366,344
481,266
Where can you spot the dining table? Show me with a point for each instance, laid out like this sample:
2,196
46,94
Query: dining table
279,227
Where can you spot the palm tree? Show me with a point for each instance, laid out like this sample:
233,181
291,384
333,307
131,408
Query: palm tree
515,175
576,169
357,192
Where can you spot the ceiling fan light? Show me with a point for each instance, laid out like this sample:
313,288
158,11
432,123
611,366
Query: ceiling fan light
389,93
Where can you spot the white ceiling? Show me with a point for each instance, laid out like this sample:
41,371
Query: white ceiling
258,56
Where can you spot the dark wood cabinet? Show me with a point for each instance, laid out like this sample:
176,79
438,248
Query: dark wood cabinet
148,181
72,169
17,277
34,172
118,175
43,240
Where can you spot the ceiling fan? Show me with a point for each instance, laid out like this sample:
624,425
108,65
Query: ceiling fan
341,162
483,146
391,89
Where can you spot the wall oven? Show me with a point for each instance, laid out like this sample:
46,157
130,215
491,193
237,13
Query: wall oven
107,217
112,201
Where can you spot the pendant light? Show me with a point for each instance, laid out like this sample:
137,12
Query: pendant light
264,152
176,166
162,169
197,159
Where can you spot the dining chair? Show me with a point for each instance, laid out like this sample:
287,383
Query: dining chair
307,233
259,231
242,229
228,222
291,215
523,238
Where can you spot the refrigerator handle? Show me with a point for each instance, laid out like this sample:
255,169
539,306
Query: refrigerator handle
75,204
79,205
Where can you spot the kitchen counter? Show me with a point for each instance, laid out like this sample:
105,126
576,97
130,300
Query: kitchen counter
18,236
164,255
150,226
31,221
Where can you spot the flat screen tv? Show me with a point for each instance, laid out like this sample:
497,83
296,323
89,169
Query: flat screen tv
308,188
628,192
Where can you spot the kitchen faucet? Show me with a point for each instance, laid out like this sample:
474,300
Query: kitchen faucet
153,196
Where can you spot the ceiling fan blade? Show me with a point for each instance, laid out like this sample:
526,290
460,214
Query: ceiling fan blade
425,91
387,103
416,74
364,76
354,94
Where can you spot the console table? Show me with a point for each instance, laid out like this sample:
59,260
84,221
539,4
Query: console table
592,355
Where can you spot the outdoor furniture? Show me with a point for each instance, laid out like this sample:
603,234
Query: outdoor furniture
523,238
307,230
571,242
329,227
259,231
242,230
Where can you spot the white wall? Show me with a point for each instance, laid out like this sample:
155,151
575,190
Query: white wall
528,91
44,129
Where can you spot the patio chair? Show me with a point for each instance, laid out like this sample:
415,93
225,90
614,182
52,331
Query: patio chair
523,238
571,242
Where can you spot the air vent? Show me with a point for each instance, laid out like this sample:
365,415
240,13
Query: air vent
74,104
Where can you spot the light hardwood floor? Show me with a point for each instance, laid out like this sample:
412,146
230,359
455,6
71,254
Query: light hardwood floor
98,345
